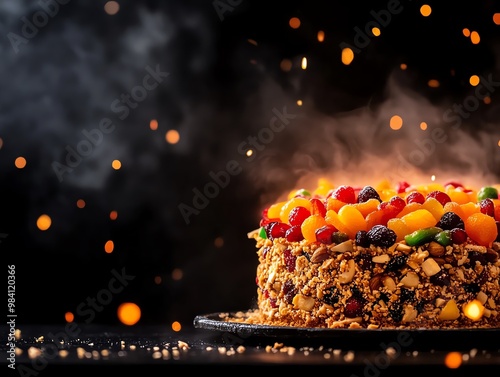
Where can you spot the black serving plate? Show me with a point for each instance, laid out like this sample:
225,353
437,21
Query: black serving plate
456,339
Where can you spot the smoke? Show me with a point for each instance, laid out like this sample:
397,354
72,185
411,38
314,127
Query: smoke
358,147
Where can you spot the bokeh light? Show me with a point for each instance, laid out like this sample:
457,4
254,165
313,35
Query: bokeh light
153,124
474,80
176,326
172,136
113,215
433,83
109,246
425,10
294,22
116,164
80,203
112,7
347,56
69,317
453,360
423,126
20,162
44,222
321,36
396,122
129,313
475,38
496,18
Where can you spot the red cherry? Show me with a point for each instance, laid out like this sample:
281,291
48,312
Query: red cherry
402,186
298,215
415,197
294,234
317,207
344,194
440,196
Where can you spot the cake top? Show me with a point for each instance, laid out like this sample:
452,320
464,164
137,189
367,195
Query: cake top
381,215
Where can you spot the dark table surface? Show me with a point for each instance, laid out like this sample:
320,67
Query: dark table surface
47,349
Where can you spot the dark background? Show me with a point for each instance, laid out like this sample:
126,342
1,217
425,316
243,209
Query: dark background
224,81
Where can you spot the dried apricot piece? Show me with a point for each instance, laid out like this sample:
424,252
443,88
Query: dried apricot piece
310,225
419,219
454,207
332,218
434,206
469,208
481,228
352,219
399,227
367,207
274,210
334,204
409,208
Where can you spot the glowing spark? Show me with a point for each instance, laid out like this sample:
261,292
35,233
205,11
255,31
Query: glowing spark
453,360
109,246
129,313
116,164
466,32
153,124
487,100
303,64
44,222
403,66
177,274
20,162
376,31
423,126
433,178
1,143
286,65
425,10
176,326
111,7
433,83
219,242
80,203
69,317
249,153
113,215
474,80
396,122
172,136
252,41
498,143
158,280
299,102
347,56
294,22
473,310
496,18
475,38
321,36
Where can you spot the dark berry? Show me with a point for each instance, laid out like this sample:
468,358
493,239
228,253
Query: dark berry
440,196
368,193
415,197
289,259
383,296
450,220
325,233
294,234
441,278
344,194
487,207
459,236
498,231
362,238
407,295
298,215
396,312
331,297
397,262
471,287
364,261
474,257
289,291
382,236
272,301
354,307
420,306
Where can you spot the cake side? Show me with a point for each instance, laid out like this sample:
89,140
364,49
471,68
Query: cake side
419,268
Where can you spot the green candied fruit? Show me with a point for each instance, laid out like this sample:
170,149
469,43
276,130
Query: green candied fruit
262,233
487,192
339,237
444,238
421,236
302,192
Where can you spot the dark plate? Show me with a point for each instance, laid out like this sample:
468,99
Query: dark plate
236,332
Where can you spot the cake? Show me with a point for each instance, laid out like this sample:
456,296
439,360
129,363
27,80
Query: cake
379,257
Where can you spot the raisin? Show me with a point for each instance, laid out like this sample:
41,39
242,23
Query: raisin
331,297
396,312
441,278
289,291
382,236
368,193
449,221
362,238
397,263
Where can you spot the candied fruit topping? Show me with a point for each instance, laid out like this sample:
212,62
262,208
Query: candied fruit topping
383,214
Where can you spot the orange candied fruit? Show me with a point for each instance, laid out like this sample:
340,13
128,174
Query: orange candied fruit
481,228
352,219
419,219
310,225
332,218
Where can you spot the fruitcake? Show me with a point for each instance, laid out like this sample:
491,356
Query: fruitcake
380,256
